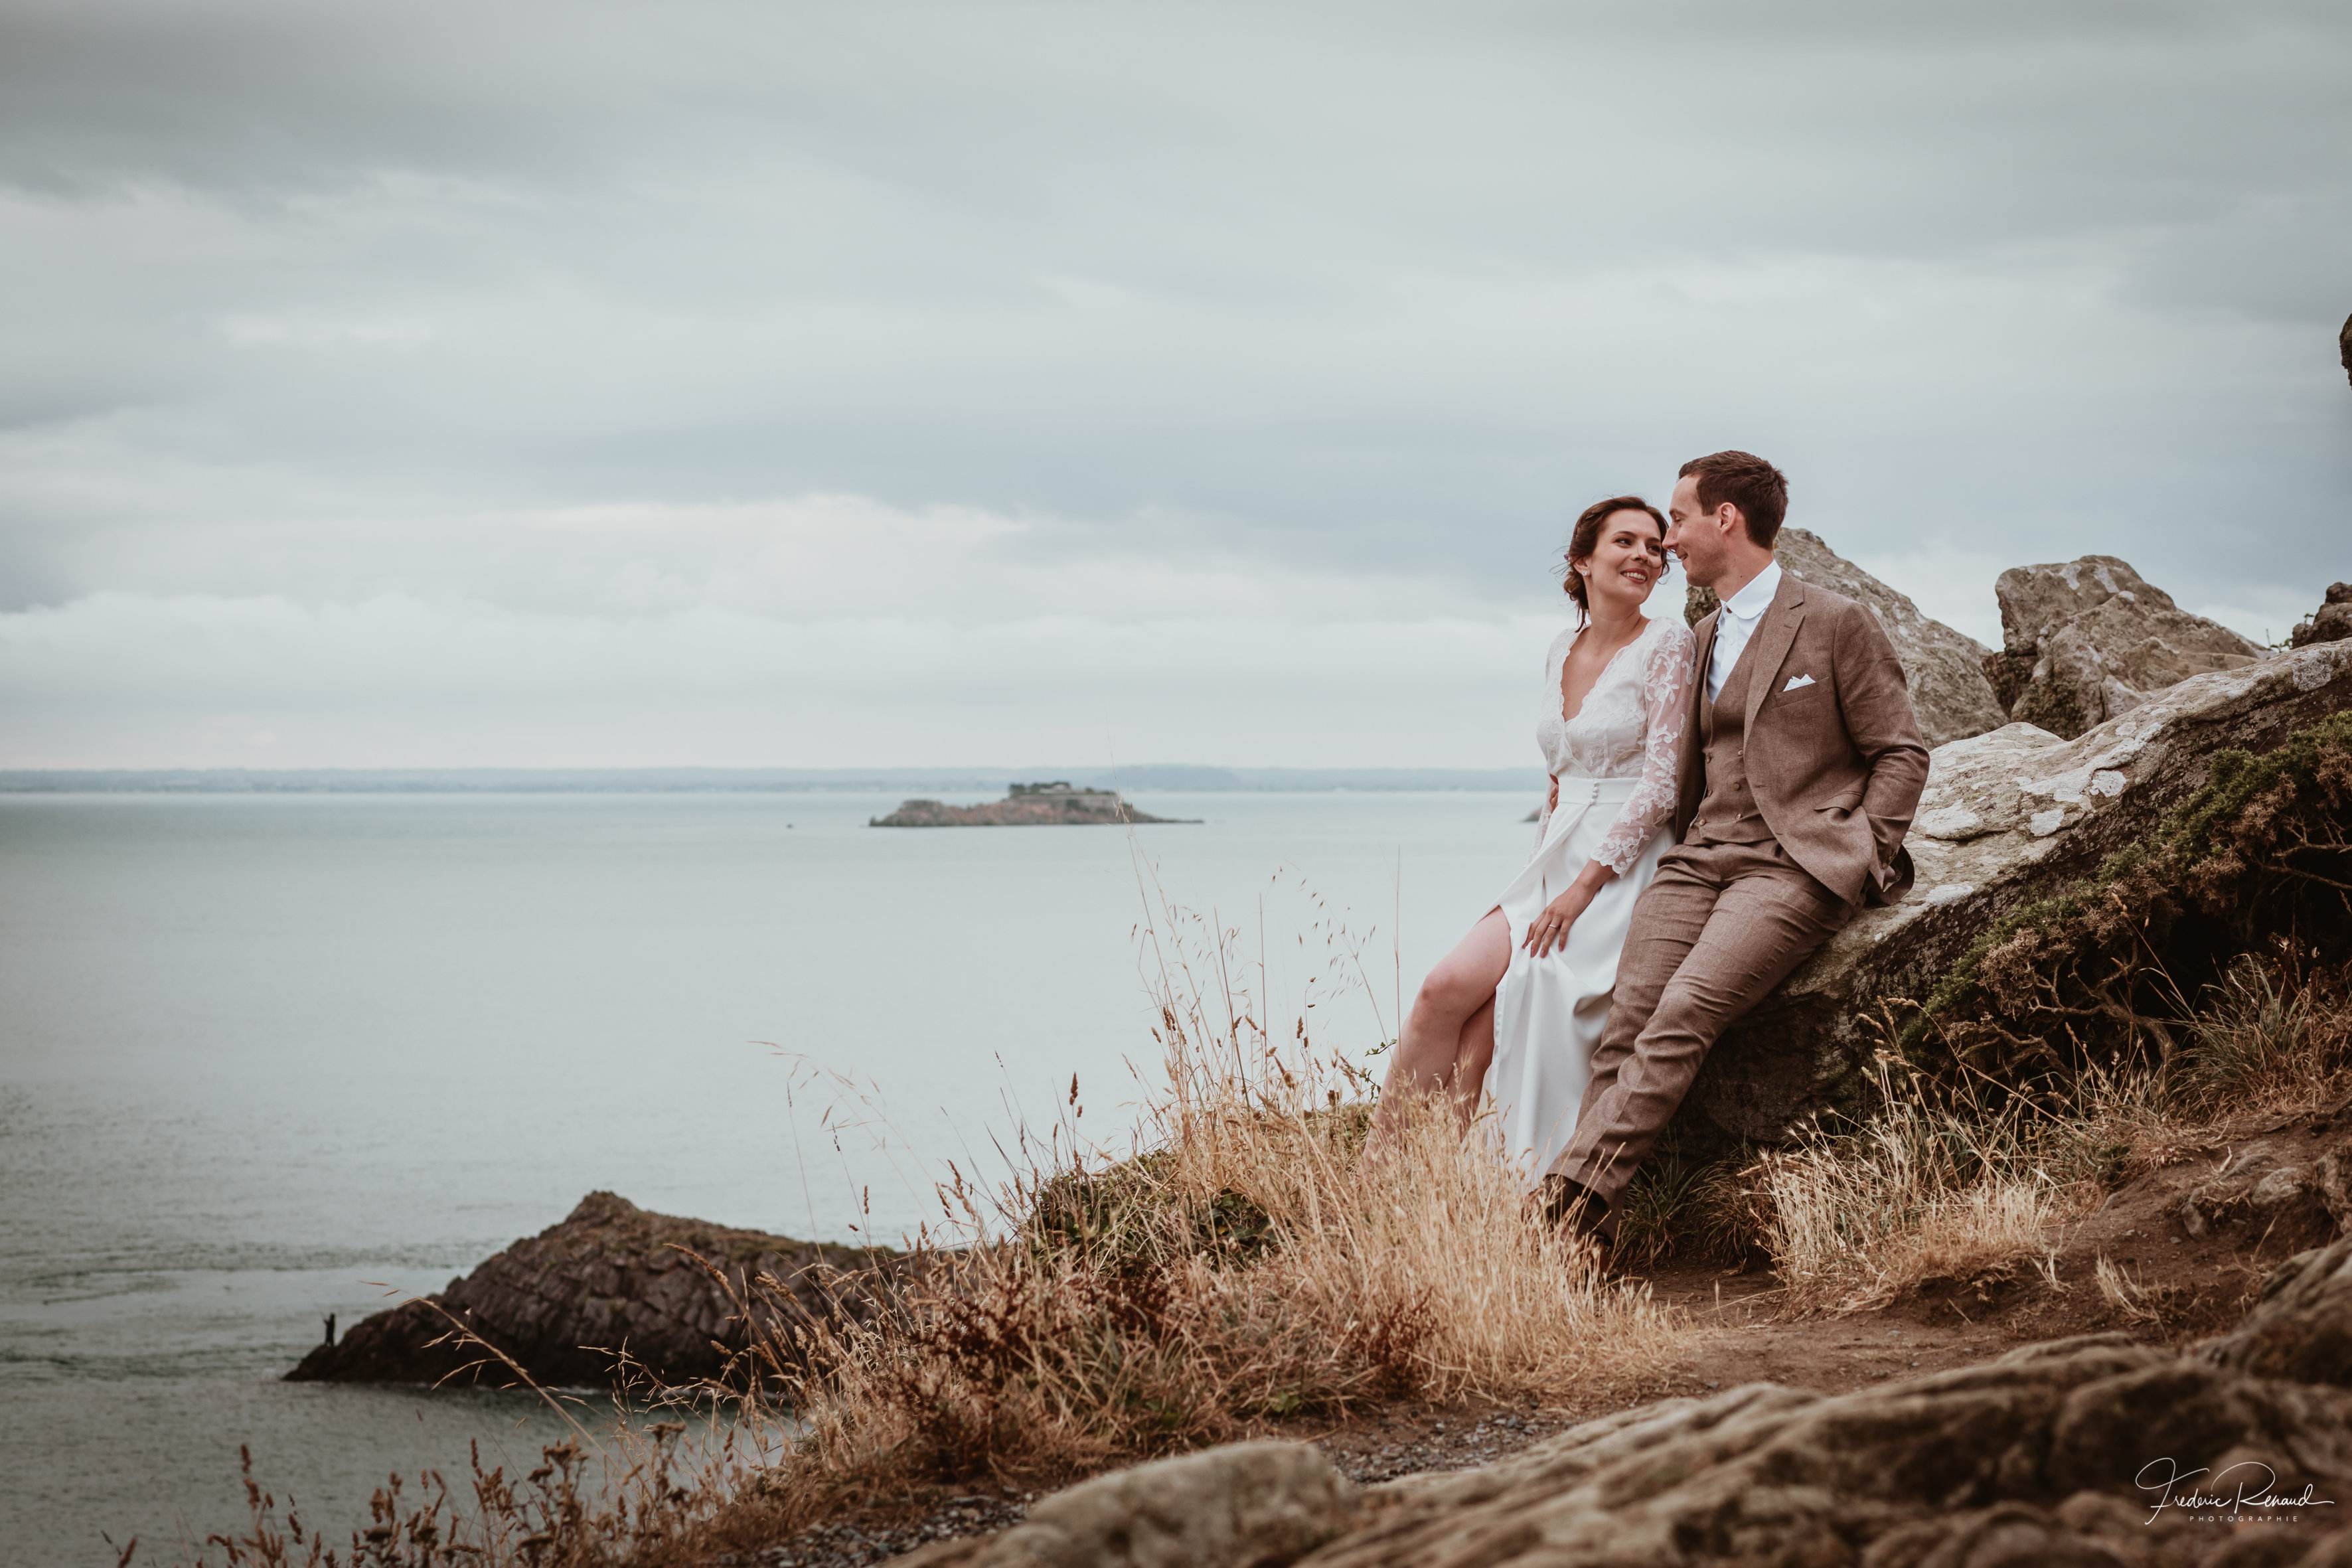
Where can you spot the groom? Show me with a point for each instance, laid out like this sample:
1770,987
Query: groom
1801,766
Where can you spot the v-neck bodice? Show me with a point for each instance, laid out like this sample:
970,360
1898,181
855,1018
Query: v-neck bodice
1630,725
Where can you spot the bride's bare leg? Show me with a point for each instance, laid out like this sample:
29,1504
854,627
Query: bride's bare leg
1448,1039
1473,1055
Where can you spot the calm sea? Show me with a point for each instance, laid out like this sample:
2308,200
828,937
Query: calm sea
263,1059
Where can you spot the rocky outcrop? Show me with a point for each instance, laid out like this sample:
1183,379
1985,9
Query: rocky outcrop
1033,806
2055,1454
2008,818
2087,640
2301,1330
2344,347
1251,1505
2093,1452
565,1304
2261,1185
1944,667
2332,622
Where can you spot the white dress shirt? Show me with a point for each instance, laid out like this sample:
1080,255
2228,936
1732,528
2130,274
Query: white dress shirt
1736,624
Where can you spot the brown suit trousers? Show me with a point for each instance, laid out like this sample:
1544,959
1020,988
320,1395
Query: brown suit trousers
1721,925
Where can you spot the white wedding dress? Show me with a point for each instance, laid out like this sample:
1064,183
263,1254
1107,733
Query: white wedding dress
1615,765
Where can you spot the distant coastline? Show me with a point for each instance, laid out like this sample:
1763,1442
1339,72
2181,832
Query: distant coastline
1164,776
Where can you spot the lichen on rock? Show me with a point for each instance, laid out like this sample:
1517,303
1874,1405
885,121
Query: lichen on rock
2258,848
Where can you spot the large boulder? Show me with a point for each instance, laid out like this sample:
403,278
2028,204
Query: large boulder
2087,640
2055,1454
2300,1328
2332,622
1248,1505
2008,818
563,1306
2090,1451
1944,667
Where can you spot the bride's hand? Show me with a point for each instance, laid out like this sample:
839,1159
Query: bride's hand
1553,804
1549,929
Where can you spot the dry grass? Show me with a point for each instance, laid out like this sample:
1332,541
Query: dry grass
1930,1189
2130,1298
630,1493
2097,1032
1916,1195
1248,1265
2268,1039
1238,1262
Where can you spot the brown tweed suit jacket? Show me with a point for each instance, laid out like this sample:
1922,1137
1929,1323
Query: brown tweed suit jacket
1837,763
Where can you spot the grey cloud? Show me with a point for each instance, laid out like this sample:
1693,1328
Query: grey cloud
1356,289
1014,115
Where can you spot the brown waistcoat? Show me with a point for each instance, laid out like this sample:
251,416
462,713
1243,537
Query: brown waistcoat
1727,814
1833,762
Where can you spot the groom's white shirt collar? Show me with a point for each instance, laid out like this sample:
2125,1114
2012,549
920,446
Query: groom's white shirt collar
1736,624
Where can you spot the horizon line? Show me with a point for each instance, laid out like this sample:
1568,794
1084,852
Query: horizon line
690,777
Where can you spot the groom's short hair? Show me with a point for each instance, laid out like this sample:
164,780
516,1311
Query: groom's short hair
1758,490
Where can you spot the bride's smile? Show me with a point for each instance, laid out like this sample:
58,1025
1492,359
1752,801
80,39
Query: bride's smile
1627,560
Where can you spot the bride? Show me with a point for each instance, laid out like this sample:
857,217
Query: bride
1518,1006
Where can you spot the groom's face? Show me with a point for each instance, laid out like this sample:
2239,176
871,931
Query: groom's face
1694,535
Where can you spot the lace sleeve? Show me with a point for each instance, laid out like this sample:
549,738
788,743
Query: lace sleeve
1665,706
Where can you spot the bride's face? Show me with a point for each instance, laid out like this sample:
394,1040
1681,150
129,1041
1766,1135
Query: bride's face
1626,561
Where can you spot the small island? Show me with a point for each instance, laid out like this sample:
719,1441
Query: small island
1054,805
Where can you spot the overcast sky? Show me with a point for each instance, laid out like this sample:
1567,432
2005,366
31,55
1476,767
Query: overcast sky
808,384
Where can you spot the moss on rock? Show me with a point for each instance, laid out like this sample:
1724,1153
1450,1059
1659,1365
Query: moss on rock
2259,857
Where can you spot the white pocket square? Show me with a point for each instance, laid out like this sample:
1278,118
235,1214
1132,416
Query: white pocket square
1797,681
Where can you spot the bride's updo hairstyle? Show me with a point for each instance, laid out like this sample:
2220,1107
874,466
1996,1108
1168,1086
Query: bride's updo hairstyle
1586,538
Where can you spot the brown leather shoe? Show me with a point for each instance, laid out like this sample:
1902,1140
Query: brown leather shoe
1573,1208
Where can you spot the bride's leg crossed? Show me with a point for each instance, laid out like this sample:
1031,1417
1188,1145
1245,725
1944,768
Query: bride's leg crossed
1430,1046
1473,1052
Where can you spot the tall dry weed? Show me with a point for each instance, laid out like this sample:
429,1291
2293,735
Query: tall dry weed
1242,1262
629,1492
1938,1183
1918,1192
